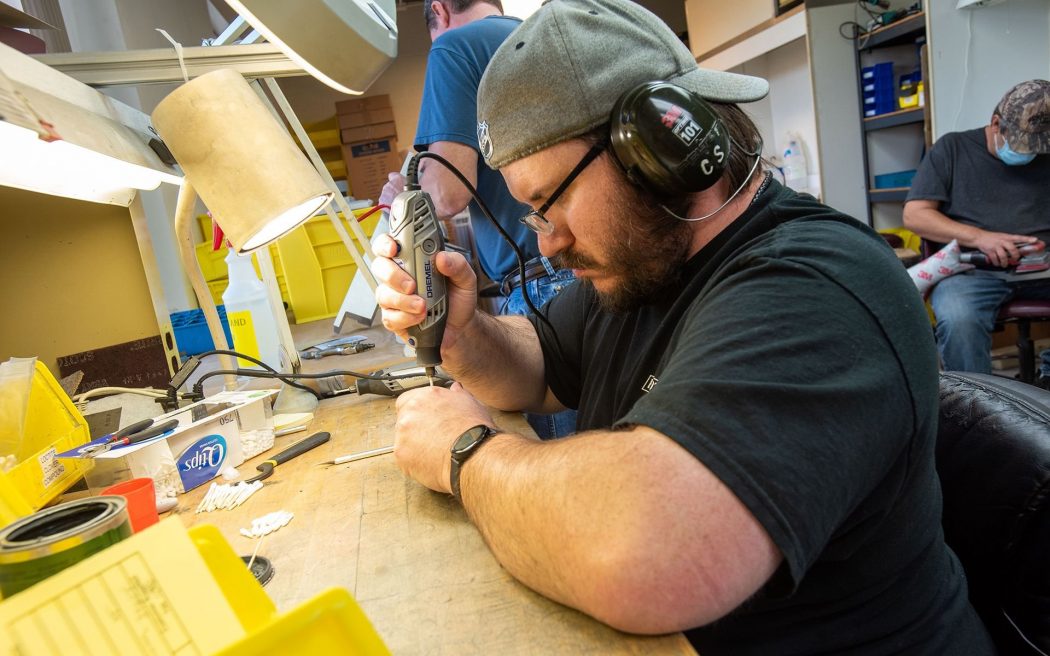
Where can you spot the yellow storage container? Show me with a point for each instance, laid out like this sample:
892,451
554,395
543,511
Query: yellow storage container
317,266
330,623
52,425
313,267
213,266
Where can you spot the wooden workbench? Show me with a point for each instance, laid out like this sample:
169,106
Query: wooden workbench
409,556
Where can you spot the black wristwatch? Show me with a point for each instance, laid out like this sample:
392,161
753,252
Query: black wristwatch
465,446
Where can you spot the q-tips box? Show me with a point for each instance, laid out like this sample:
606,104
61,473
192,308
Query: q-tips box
219,432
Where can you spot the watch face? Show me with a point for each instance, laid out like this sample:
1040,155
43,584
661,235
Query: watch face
468,439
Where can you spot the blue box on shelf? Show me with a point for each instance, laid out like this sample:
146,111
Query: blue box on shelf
894,180
877,73
191,331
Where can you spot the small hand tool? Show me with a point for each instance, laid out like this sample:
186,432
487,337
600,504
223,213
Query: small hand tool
414,225
294,450
341,349
398,386
359,456
133,434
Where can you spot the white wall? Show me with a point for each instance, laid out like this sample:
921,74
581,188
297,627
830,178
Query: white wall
834,78
978,54
789,105
713,22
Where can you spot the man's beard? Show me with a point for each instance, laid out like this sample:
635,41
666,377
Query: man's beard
644,249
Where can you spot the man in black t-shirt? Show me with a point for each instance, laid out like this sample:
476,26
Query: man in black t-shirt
755,378
988,188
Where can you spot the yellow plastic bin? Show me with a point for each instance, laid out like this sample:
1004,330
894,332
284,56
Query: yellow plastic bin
53,425
330,623
314,270
317,267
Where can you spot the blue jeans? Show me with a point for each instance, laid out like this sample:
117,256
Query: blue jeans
540,291
966,305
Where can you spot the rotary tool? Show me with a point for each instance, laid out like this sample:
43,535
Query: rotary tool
414,225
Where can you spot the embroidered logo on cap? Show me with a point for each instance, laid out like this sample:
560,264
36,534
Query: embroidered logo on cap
484,141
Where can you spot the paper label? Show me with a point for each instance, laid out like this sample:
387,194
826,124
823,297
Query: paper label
243,332
50,467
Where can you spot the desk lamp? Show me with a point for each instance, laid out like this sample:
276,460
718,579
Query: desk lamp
245,167
62,138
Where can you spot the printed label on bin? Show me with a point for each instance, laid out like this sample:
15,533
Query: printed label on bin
50,467
202,461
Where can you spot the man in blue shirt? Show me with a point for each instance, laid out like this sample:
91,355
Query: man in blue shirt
465,34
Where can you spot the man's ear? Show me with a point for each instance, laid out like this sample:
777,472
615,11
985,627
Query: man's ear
441,14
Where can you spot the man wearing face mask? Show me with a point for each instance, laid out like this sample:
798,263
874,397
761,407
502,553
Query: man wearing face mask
989,188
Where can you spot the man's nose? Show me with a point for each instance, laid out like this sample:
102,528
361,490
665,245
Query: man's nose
556,242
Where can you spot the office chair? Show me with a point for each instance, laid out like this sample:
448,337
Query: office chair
993,459
1020,312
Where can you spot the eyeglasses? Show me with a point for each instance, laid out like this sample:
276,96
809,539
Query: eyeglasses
536,219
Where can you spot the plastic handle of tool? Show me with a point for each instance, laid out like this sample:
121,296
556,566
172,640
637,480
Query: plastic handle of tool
131,430
382,388
414,225
301,447
149,433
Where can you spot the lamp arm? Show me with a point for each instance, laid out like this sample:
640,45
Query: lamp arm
184,208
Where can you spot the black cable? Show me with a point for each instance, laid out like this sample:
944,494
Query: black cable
198,387
261,364
488,214
856,31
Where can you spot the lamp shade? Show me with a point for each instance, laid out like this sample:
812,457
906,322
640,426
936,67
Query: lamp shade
239,159
345,44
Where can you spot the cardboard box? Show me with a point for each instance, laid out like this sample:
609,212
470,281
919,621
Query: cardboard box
368,132
368,163
362,104
367,117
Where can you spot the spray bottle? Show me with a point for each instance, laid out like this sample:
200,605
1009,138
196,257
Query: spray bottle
252,323
796,175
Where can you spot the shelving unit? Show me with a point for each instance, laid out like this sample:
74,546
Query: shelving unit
896,140
893,119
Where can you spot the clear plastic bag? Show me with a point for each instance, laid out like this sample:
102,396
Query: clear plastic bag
16,382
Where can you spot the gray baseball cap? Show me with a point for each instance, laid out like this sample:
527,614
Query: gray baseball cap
1025,114
559,73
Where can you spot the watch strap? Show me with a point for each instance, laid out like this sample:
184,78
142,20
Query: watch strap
459,459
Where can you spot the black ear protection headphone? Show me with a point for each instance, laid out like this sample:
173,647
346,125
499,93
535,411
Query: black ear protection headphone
668,140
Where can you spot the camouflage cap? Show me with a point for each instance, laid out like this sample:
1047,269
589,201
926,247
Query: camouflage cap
1024,113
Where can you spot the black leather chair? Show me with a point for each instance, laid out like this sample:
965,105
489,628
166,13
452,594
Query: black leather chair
993,458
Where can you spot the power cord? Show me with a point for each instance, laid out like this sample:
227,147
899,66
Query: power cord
170,399
198,387
412,176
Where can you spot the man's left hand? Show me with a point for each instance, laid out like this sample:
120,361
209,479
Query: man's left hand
429,420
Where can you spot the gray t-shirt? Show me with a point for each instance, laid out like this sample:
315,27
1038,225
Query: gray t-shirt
975,187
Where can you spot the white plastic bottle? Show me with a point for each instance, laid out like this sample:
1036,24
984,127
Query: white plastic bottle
252,323
796,174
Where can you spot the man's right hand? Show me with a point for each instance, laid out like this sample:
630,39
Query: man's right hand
403,308
1002,248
